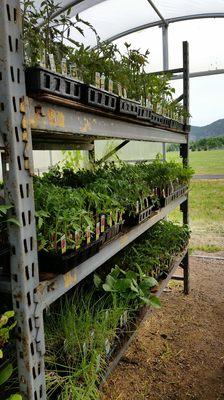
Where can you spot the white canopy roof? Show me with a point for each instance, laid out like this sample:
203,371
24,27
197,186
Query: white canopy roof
116,18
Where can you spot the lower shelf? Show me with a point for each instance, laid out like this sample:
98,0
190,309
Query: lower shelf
144,313
50,290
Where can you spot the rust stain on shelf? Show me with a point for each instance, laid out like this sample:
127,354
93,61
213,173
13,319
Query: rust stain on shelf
69,279
86,126
55,118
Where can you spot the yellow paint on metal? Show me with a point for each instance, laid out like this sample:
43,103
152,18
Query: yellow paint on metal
69,279
124,240
86,126
55,118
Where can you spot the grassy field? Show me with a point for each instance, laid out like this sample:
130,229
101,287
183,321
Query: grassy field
206,203
204,162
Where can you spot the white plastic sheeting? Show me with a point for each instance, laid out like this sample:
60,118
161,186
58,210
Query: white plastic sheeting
115,17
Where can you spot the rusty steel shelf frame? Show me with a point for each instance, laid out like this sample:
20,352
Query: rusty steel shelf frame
18,117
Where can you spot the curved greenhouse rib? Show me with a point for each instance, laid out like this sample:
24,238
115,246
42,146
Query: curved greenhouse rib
80,5
159,22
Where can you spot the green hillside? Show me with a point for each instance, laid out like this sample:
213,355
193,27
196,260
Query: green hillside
216,128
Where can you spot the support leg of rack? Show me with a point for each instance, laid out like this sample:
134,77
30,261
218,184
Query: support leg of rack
186,270
18,188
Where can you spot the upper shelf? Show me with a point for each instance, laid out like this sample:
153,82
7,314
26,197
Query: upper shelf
56,121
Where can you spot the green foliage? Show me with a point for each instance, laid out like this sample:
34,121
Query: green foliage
44,35
5,328
68,202
83,330
207,143
131,285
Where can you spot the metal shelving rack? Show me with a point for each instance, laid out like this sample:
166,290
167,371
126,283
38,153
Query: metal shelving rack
53,123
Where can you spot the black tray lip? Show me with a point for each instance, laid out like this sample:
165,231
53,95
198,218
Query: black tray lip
70,253
126,99
107,92
38,68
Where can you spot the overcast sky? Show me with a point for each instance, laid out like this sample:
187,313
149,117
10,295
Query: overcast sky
206,52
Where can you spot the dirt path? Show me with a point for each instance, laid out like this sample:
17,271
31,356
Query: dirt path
179,352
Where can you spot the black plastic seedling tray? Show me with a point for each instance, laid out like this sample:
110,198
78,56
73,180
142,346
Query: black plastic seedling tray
164,201
138,218
129,107
144,113
52,262
100,98
156,118
42,80
111,232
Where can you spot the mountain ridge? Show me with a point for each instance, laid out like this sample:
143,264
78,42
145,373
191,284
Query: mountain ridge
214,129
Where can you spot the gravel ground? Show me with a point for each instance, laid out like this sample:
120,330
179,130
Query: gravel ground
178,353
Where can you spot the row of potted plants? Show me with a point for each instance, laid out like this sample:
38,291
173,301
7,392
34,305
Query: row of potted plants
83,332
78,211
61,65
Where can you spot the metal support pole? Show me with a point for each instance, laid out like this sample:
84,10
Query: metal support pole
165,65
18,186
165,47
92,155
186,270
184,153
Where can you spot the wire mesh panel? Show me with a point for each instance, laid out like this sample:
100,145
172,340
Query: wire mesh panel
17,173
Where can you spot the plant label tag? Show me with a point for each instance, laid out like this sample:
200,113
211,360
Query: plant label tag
52,62
102,81
77,240
43,59
97,80
137,207
88,235
97,230
125,317
110,85
102,222
119,90
110,220
98,361
63,244
84,348
117,217
107,347
64,70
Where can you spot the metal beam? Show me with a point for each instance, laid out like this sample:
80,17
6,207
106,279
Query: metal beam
199,74
112,152
165,47
59,121
158,23
157,12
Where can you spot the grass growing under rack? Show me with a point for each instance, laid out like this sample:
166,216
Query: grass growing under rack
79,331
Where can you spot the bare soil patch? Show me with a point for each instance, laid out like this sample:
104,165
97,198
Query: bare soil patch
178,353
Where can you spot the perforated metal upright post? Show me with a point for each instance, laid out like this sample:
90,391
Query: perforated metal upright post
184,153
17,173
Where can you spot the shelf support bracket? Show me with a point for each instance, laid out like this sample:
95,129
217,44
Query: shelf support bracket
112,152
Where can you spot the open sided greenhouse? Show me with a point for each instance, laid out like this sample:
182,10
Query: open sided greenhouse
88,249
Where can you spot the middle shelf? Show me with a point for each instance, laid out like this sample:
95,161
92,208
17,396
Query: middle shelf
50,290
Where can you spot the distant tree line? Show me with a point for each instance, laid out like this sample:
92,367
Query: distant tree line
201,144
